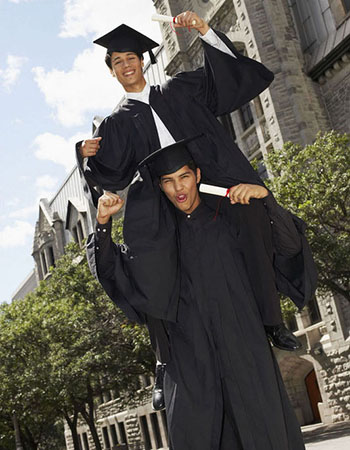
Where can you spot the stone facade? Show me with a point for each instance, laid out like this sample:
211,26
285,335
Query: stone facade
336,94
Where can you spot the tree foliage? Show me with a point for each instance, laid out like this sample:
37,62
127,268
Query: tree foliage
62,346
314,183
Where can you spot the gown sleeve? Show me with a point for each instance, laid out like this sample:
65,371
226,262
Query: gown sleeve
106,262
143,275
285,235
226,82
295,269
114,165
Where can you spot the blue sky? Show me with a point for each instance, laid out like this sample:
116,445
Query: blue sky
53,80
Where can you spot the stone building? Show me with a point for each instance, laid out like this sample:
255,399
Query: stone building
306,43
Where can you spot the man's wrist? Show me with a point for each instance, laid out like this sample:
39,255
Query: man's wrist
102,220
204,29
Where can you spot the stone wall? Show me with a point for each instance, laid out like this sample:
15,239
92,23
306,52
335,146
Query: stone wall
335,90
296,99
336,378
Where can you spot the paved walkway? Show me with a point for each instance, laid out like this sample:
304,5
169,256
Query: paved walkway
327,437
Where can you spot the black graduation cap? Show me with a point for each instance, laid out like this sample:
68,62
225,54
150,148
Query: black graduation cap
169,159
126,39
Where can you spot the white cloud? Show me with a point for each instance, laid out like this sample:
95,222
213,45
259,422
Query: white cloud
45,194
17,121
12,202
46,181
23,213
24,178
55,148
16,235
11,73
86,89
85,17
45,185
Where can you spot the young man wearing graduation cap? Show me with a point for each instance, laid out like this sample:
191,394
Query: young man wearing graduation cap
155,116
223,389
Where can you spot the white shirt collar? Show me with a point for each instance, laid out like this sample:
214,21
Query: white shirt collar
142,96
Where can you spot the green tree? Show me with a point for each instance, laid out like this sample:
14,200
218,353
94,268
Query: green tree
314,183
91,346
64,345
25,389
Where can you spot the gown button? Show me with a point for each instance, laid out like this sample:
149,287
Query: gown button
188,216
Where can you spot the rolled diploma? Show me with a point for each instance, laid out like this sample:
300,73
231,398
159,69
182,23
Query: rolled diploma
161,18
214,190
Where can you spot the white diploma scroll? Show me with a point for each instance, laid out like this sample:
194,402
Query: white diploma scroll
161,18
169,19
214,190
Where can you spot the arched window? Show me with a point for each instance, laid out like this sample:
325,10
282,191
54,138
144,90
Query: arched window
346,4
314,22
43,262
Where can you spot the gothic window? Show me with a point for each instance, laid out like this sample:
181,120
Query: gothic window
346,4
114,434
106,440
85,441
246,116
75,234
314,311
258,107
78,233
107,396
145,433
43,262
314,22
165,423
79,442
122,432
76,220
51,256
156,430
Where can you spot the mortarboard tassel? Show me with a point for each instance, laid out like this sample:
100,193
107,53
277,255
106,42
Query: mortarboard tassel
152,57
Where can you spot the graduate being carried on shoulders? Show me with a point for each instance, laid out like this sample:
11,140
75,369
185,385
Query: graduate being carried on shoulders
188,104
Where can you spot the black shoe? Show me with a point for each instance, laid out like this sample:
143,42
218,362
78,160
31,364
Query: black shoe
158,393
282,338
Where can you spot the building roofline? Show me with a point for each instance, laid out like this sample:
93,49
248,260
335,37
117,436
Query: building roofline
63,184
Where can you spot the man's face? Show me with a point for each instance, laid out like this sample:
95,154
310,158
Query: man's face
127,68
181,188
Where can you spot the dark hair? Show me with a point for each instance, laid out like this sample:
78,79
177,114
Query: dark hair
192,165
109,55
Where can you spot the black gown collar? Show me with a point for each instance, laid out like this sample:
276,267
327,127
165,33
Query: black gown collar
202,213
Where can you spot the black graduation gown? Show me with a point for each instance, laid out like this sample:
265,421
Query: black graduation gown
188,105
223,389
